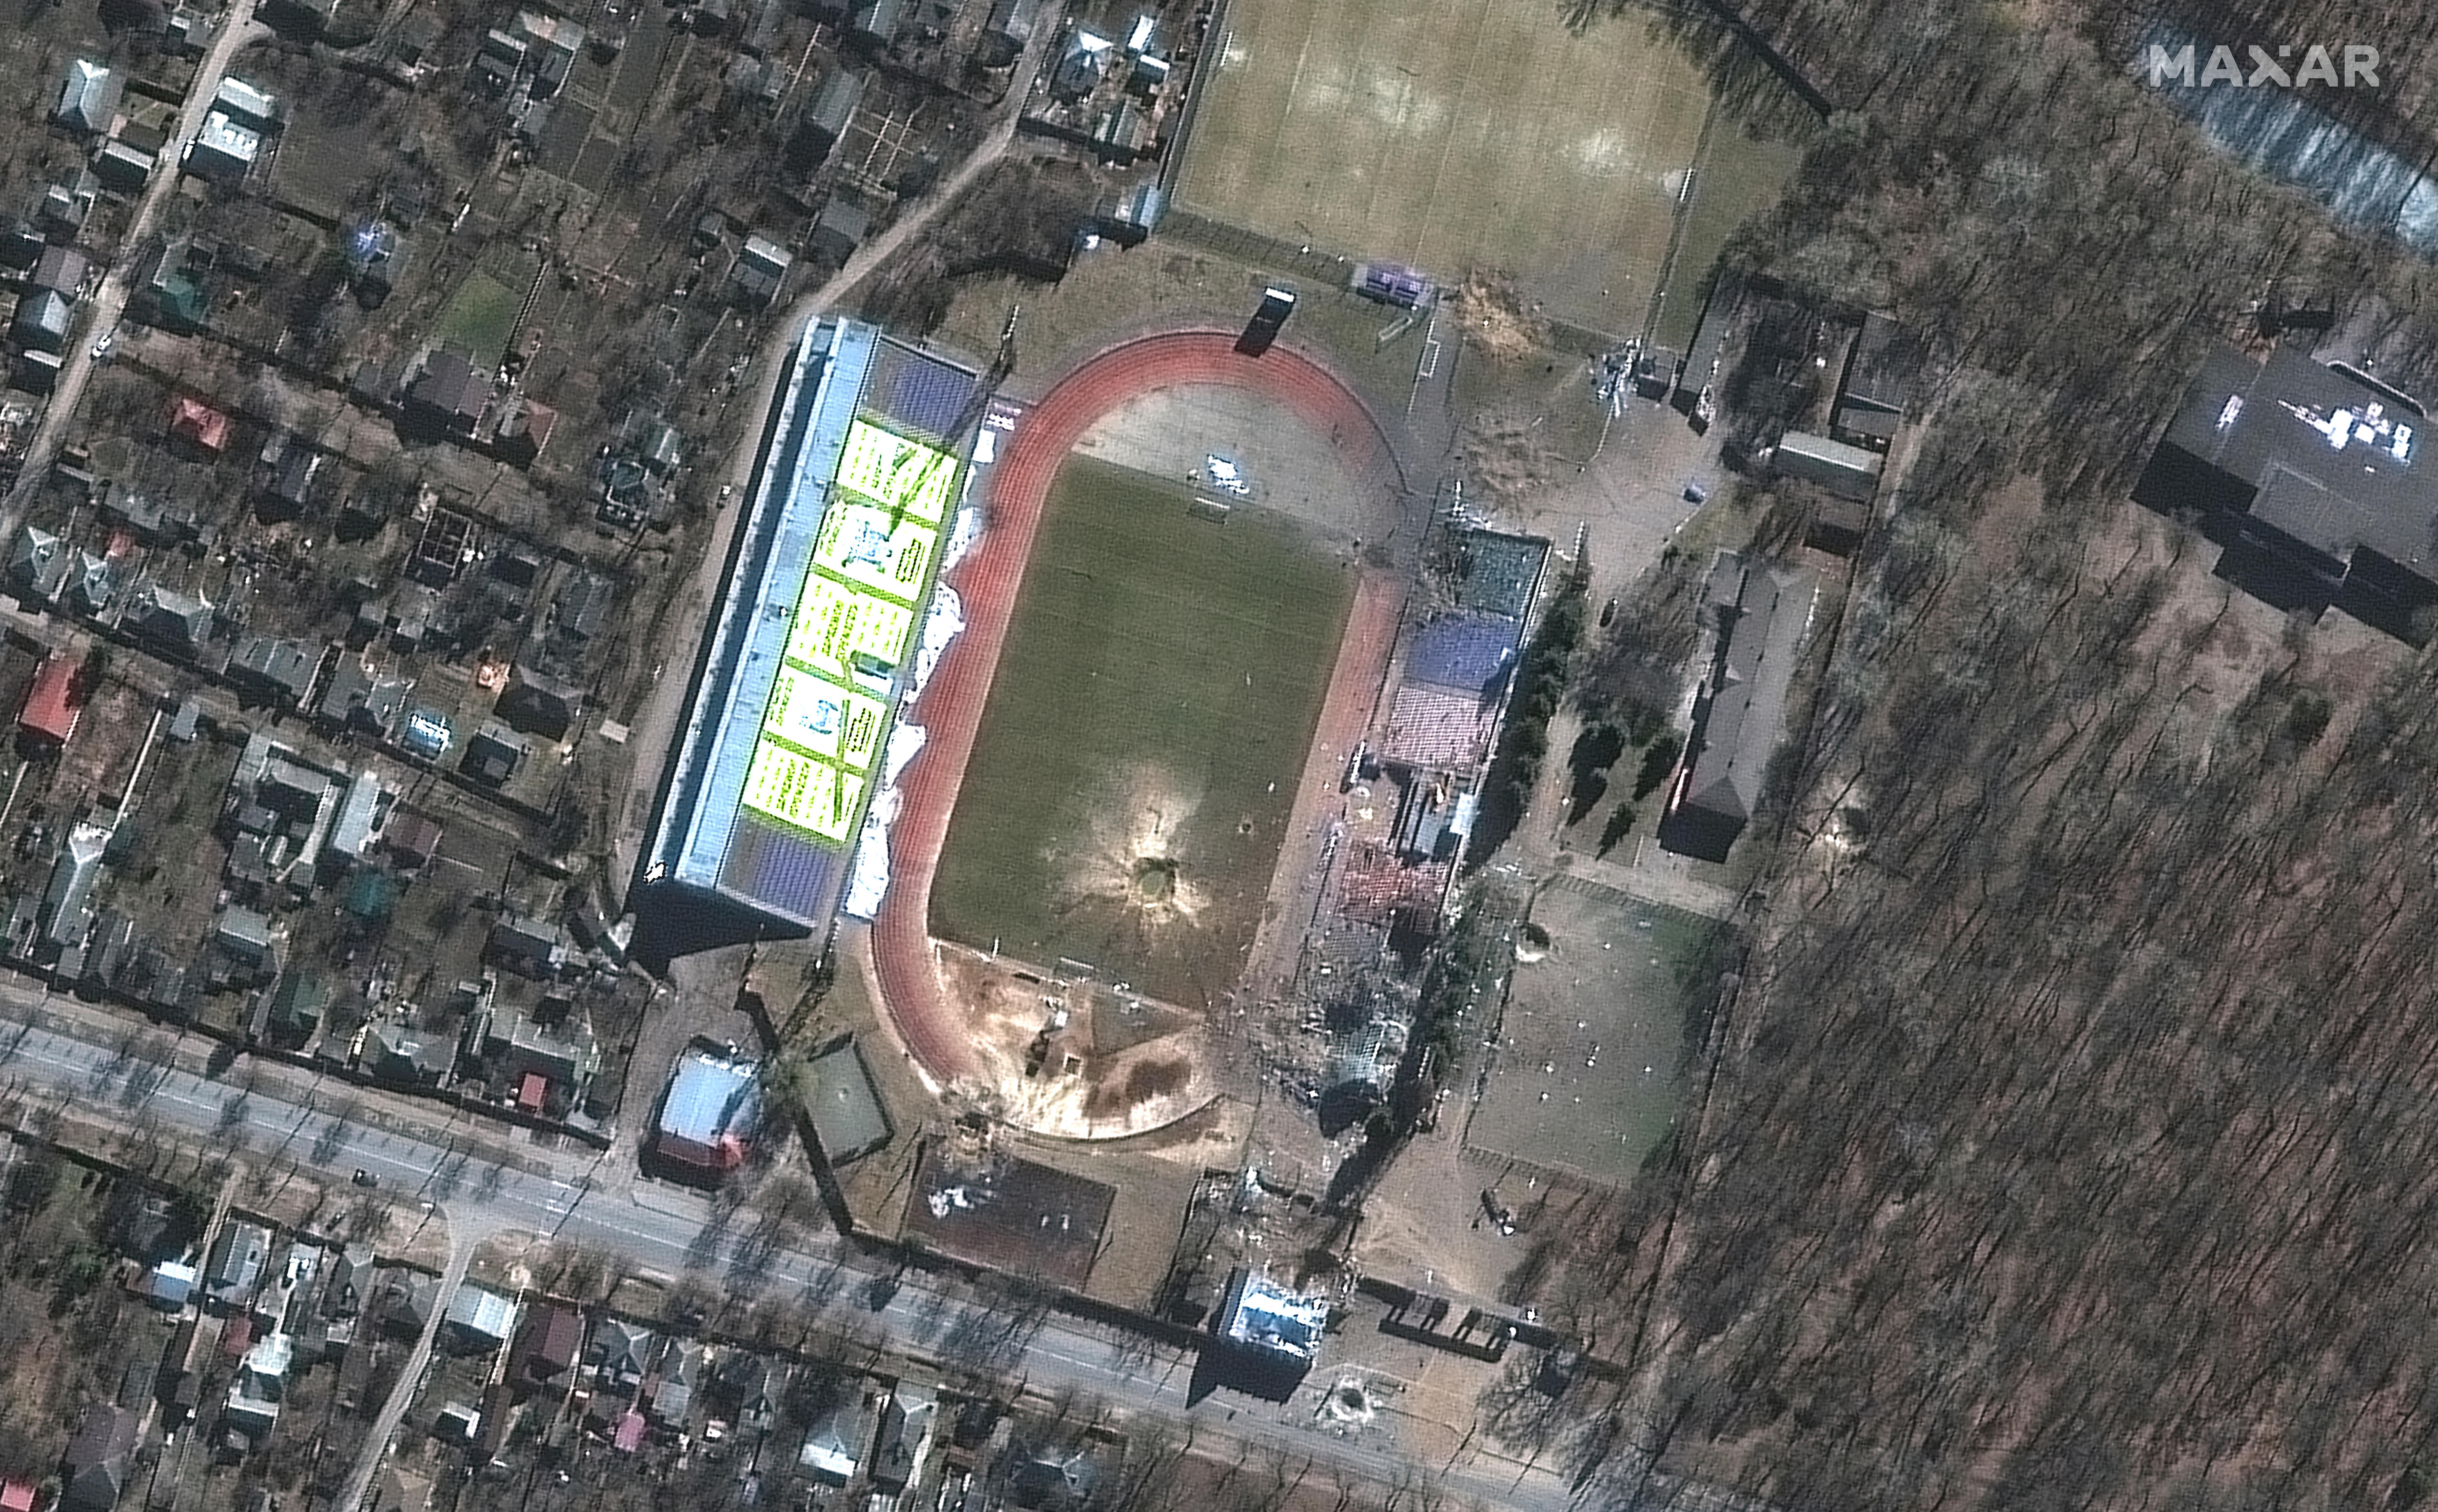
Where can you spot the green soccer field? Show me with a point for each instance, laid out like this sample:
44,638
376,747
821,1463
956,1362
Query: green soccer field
1455,135
1151,715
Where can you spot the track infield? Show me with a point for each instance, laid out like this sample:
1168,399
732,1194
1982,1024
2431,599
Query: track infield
1455,135
1130,784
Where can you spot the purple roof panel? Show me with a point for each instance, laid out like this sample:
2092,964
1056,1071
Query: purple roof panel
1464,652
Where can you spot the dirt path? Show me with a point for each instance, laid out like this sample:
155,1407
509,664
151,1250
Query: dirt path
950,706
409,1378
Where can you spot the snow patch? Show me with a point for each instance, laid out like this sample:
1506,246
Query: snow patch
940,626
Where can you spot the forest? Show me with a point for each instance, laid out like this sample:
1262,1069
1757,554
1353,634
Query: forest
2069,1137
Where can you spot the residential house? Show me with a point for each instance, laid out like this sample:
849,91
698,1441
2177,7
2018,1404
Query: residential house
224,149
450,394
171,1285
38,563
261,1384
545,1068
546,1347
839,230
246,934
277,669
177,622
122,165
362,815
403,1300
826,120
533,946
172,293
1764,613
37,371
65,271
1053,1479
287,488
761,268
94,1471
67,903
21,244
142,516
619,1353
752,1386
535,703
234,1270
43,322
199,426
553,44
347,1284
905,1440
499,61
248,106
525,428
349,686
1006,31
64,206
874,23
92,583
480,1318
672,1392
375,258
402,1057
839,1440
494,755
88,99
383,710
582,607
413,840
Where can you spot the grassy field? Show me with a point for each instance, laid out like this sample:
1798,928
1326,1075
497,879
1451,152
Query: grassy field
1153,708
1592,1037
478,318
1455,135
1741,173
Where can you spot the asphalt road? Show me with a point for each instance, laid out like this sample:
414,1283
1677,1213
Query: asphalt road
56,1050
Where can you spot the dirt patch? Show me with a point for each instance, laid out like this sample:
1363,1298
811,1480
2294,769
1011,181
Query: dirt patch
1144,1082
1507,450
1495,319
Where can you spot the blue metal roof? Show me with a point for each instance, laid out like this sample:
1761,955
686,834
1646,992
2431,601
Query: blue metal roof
1466,653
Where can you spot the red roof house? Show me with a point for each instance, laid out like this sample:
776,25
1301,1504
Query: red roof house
49,715
629,1436
16,1496
192,420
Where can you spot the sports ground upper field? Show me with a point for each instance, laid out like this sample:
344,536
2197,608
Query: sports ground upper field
1458,134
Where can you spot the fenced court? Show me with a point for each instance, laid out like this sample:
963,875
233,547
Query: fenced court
1452,135
1591,1042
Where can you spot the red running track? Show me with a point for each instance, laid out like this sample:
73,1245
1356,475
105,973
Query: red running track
950,706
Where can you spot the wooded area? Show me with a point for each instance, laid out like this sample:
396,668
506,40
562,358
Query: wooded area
2069,1140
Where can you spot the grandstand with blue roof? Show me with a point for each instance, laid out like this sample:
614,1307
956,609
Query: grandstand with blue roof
809,651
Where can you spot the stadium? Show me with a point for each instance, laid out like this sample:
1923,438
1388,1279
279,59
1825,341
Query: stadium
1211,687
809,651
